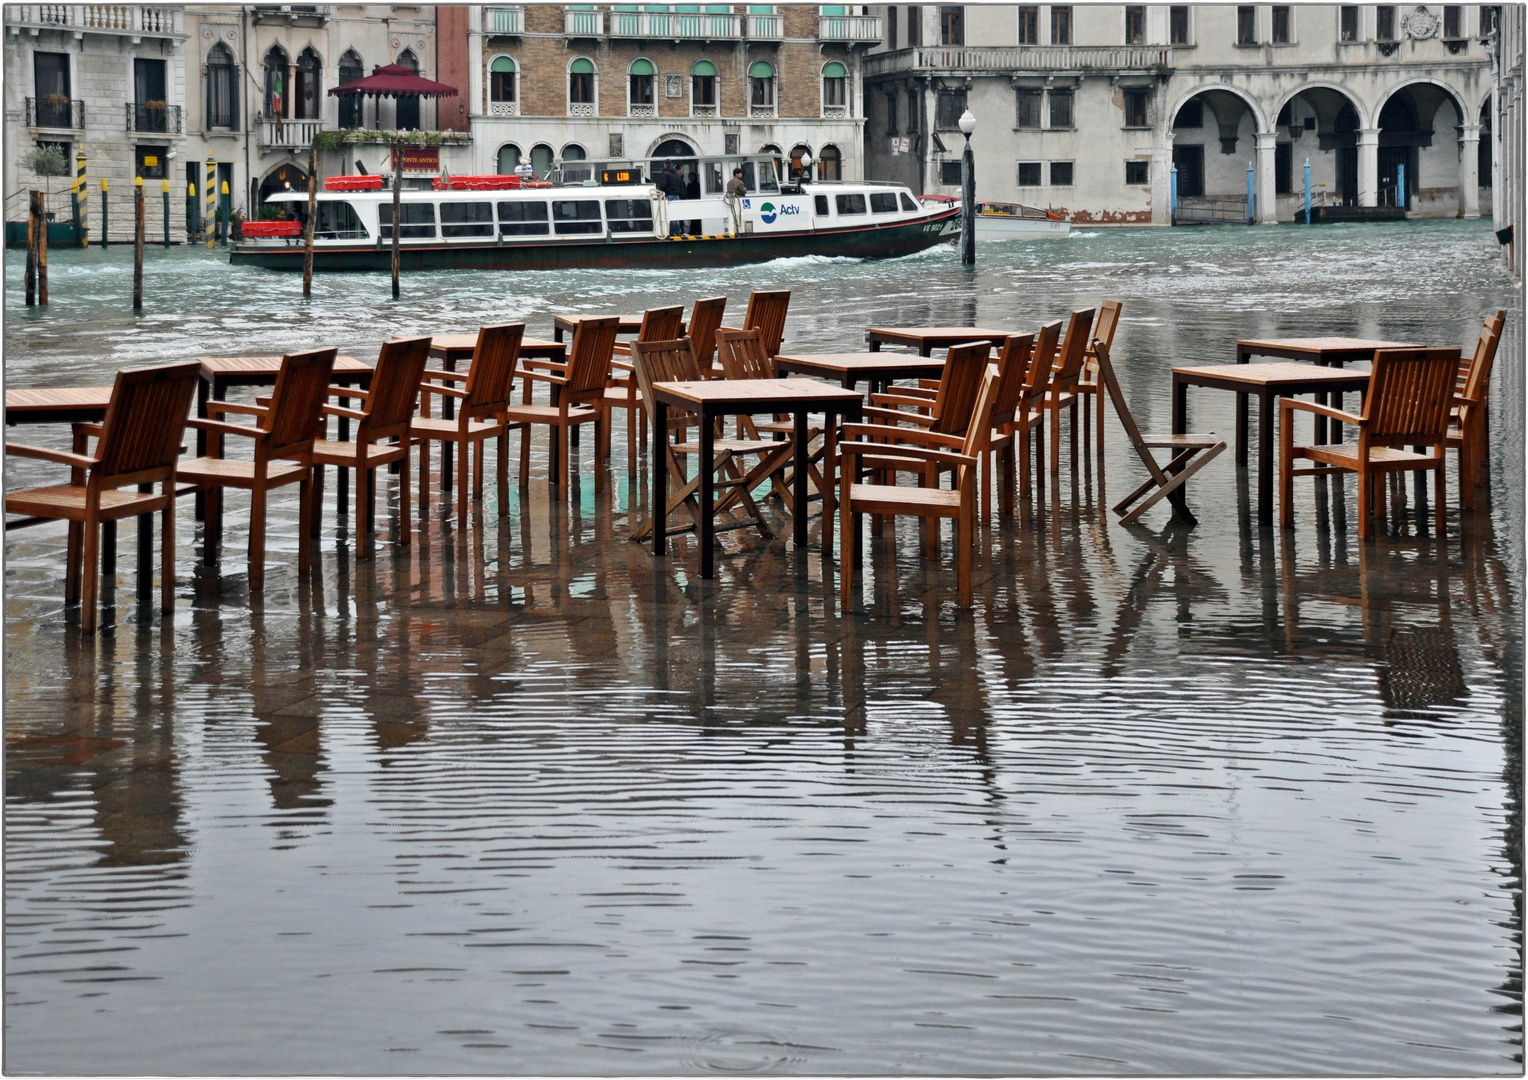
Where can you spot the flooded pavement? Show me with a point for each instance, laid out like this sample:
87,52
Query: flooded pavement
521,798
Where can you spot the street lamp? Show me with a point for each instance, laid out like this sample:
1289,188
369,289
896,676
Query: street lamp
967,193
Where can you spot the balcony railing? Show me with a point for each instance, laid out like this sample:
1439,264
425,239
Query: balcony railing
766,27
1025,58
686,25
761,112
645,110
163,119
583,23
504,20
852,28
503,108
835,112
288,134
56,114
135,19
703,111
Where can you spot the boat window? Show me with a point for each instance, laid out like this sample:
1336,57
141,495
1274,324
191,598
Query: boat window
850,204
416,221
883,202
821,202
629,215
338,221
908,204
466,219
716,183
576,216
748,180
767,180
523,219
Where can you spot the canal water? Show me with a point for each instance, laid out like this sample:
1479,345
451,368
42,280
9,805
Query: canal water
520,798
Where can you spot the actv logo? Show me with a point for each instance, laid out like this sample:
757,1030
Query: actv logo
767,213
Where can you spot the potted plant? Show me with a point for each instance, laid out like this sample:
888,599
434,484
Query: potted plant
57,99
155,106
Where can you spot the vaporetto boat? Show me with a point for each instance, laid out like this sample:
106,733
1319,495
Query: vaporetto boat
597,215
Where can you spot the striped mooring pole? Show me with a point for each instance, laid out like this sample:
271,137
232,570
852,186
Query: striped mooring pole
82,197
209,189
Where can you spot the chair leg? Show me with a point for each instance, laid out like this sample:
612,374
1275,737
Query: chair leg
503,478
1071,431
405,528
601,438
1286,474
477,470
167,556
1439,492
1006,468
72,563
364,479
461,482
965,548
90,567
424,479
1099,394
304,541
631,444
848,543
257,539
525,454
987,470
1365,503
1055,438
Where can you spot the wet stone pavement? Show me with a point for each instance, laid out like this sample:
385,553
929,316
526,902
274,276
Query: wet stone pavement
521,798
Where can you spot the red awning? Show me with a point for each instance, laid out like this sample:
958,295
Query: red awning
394,80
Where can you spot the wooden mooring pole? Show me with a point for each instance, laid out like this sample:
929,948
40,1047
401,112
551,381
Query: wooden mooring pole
307,245
32,250
397,209
138,247
42,250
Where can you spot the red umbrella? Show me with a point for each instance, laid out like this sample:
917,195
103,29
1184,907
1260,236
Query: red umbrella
394,80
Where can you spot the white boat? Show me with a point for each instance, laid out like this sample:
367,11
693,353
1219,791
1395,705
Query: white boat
1015,221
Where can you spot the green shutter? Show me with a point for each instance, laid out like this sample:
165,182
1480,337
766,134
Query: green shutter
503,64
641,67
582,66
762,69
703,67
834,70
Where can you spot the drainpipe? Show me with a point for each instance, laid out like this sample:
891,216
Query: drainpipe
249,179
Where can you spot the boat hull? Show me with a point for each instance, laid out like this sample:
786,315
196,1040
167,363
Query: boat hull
874,242
1016,228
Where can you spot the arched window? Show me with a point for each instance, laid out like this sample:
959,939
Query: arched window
761,88
222,89
278,101
775,152
408,107
830,163
573,169
509,158
574,152
541,160
799,151
307,99
835,89
582,90
351,69
503,87
703,88
639,89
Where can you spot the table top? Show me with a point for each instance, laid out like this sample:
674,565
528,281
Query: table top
1273,375
753,395
1319,346
854,363
22,404
221,366
630,323
466,343
918,335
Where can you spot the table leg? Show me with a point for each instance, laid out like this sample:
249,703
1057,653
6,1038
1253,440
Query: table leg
660,478
1180,405
554,452
1265,459
803,455
108,548
707,493
201,442
341,474
1242,357
875,344
145,552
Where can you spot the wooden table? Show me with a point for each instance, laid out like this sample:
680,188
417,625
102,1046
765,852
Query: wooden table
878,369
928,338
1323,351
713,398
1268,382
568,324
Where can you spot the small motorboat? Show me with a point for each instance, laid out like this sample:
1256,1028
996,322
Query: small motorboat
1015,221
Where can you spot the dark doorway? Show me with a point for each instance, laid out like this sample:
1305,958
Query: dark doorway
1347,175
1284,170
1189,161
1390,157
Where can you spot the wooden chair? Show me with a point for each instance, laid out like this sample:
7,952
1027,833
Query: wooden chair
658,324
387,414
1014,413
962,454
1190,453
137,444
1063,393
1406,404
1468,431
283,436
578,390
766,314
743,356
705,321
480,416
672,361
1103,330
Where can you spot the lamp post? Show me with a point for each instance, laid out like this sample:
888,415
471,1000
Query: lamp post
967,193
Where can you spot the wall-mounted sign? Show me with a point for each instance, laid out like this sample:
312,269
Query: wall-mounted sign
418,159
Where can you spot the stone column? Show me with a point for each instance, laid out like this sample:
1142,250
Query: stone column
1267,200
1469,171
1368,166
1162,179
930,110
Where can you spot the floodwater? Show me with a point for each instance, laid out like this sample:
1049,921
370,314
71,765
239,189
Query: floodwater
520,798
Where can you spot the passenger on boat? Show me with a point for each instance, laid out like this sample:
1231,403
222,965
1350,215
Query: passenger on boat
672,185
735,186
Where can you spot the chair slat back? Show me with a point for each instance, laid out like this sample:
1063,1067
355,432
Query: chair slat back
493,368
145,420
1037,382
742,354
1477,378
1108,322
964,368
302,386
1110,385
766,313
1013,369
589,357
705,319
661,324
979,430
663,361
394,389
1409,395
1074,350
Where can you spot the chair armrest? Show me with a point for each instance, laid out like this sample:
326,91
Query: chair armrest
89,431
1289,405
343,392
536,376
893,400
892,417
919,453
215,407
337,410
622,365
443,391
900,436
62,457
453,376
224,429
529,363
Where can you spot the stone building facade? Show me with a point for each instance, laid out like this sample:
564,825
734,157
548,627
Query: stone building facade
1507,60
564,83
1090,108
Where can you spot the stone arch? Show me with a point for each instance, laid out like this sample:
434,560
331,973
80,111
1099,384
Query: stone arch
1449,91
1364,116
1259,118
668,137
